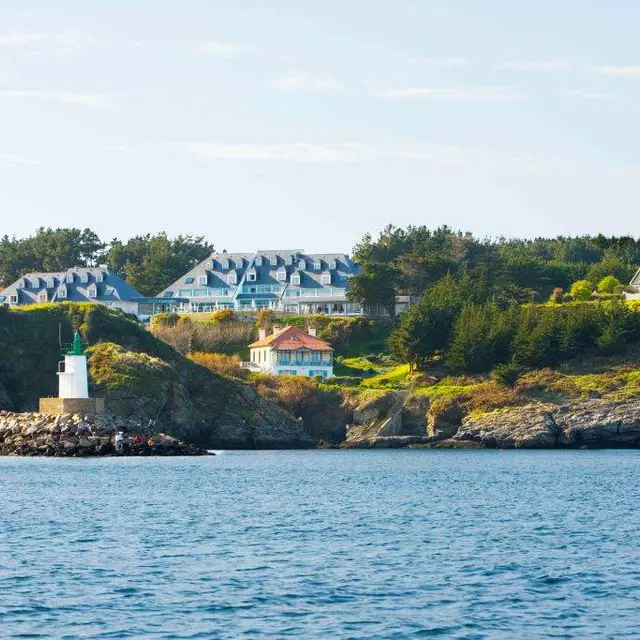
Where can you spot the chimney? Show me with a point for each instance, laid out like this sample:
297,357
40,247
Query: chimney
277,329
262,334
313,332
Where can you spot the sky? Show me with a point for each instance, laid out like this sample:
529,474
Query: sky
266,124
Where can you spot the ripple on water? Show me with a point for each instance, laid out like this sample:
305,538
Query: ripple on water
394,544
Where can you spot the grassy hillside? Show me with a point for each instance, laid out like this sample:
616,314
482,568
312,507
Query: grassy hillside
141,377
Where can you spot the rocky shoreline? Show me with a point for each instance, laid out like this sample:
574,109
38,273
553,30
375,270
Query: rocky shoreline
592,423
72,436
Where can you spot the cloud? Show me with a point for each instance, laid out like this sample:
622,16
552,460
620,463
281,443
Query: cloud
456,94
15,160
589,95
540,66
93,100
301,81
226,50
300,153
440,63
353,152
66,40
629,71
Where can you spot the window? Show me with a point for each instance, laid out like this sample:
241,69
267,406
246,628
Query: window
43,297
281,275
326,278
317,265
62,292
99,276
202,279
20,284
209,265
92,292
232,278
288,260
251,276
49,283
295,279
84,277
13,299
259,261
70,278
274,261
225,265
333,265
302,265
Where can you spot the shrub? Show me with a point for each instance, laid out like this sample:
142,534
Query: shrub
223,315
165,320
610,285
266,318
507,375
581,290
344,381
221,364
557,296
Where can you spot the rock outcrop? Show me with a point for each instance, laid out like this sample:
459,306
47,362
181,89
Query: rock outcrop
589,423
394,420
66,435
386,422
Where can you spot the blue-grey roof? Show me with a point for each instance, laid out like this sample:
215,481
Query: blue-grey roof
73,285
276,270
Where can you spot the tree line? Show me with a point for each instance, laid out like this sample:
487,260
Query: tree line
409,261
148,262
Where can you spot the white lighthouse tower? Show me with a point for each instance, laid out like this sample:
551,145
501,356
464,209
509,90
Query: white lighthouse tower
73,381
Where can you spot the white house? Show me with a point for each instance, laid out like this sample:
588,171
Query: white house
291,351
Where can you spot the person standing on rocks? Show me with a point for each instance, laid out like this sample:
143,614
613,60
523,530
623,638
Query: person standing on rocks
119,442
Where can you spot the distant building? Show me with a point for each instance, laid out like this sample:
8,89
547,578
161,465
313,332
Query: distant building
286,281
291,351
81,284
634,285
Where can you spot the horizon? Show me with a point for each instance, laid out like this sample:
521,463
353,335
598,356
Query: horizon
324,121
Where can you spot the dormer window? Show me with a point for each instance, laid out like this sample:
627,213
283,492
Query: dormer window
35,283
202,280
70,277
325,278
251,275
84,277
258,261
43,297
49,282
317,265
225,265
232,278
295,279
333,265
99,276
302,265
92,291
289,260
274,261
281,275
62,292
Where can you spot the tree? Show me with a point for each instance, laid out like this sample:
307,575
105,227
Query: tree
425,330
48,250
375,284
152,263
581,290
609,285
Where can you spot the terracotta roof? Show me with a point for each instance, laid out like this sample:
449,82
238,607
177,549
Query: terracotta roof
292,339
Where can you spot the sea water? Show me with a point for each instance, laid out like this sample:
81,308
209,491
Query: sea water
323,544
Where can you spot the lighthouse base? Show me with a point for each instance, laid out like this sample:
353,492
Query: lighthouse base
81,406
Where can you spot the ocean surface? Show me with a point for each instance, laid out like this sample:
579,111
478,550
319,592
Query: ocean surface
323,544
